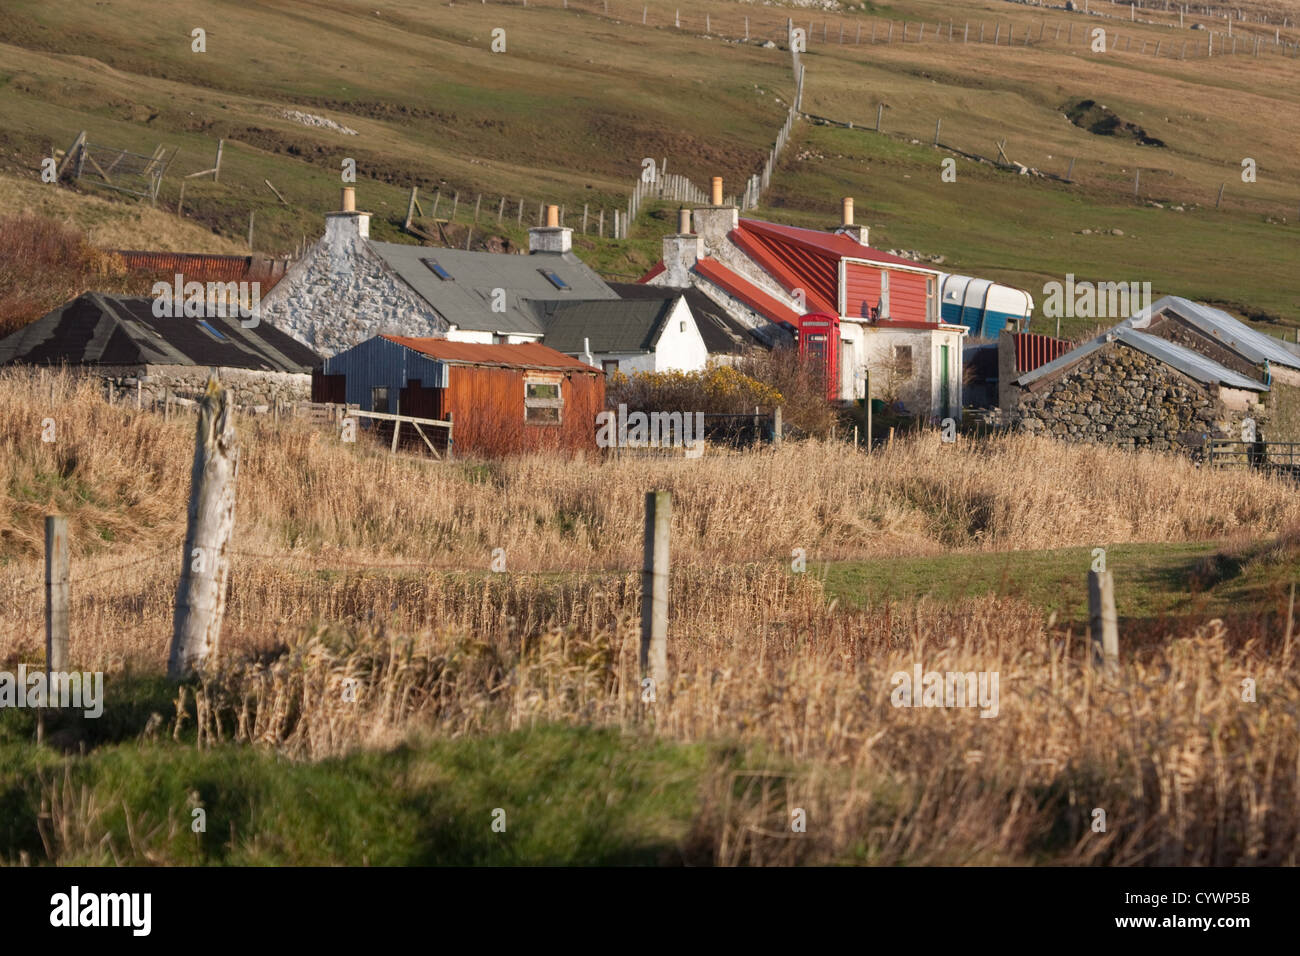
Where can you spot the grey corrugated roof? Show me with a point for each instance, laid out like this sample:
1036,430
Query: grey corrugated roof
616,325
465,300
1188,361
100,329
1254,345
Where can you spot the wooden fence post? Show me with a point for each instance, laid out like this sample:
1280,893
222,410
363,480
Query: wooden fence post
776,427
654,589
205,567
57,593
1103,621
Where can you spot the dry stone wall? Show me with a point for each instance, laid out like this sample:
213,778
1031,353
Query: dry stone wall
1121,396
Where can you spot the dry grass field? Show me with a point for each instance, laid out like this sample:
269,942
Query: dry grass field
348,563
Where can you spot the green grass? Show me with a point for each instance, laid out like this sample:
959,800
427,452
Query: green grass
570,796
1153,582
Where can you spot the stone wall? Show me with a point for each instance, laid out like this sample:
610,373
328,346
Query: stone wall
250,389
1121,396
341,293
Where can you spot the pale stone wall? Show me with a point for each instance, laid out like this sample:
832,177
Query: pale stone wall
341,293
249,388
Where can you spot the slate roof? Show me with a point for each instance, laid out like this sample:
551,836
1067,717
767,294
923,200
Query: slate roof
1255,346
522,355
100,329
1187,361
722,334
466,298
613,325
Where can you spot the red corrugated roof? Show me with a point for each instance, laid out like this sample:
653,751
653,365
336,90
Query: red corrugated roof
806,258
523,355
200,267
746,292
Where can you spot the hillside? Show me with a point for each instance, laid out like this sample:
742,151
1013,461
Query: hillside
567,113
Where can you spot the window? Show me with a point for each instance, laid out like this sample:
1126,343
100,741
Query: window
610,366
379,400
543,402
439,271
207,327
554,279
882,306
903,361
931,312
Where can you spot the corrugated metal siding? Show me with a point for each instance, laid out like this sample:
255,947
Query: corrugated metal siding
379,363
907,298
861,289
488,405
1034,351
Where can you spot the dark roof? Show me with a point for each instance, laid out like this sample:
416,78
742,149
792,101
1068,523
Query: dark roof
466,298
100,329
612,325
722,333
521,355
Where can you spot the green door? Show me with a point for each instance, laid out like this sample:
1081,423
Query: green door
944,399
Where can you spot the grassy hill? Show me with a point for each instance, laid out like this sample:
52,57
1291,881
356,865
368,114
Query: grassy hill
580,96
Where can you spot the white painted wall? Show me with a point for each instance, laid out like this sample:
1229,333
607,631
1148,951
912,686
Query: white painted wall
455,334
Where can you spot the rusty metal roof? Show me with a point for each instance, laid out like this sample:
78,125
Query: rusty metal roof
201,267
523,355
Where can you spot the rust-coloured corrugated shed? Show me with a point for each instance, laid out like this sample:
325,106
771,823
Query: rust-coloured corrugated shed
200,267
1034,351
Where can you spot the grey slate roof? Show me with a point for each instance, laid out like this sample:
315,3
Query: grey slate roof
1254,345
722,333
100,329
614,325
465,299
1187,361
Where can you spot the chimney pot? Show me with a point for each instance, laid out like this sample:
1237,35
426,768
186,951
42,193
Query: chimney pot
349,199
552,216
683,221
716,198
848,210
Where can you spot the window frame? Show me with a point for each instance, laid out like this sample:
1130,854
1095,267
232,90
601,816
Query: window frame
533,402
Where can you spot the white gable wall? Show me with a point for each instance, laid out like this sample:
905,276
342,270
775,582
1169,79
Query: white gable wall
341,293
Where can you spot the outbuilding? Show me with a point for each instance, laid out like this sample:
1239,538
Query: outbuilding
501,399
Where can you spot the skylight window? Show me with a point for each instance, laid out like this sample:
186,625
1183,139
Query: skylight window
212,332
439,271
554,279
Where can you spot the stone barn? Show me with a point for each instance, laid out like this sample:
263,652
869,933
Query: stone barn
1134,390
121,340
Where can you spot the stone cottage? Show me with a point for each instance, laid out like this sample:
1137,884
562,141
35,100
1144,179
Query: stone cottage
1133,389
349,288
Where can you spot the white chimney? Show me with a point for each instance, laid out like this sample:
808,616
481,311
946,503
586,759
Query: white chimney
347,226
551,238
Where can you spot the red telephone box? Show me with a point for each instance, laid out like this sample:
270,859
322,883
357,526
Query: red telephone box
819,341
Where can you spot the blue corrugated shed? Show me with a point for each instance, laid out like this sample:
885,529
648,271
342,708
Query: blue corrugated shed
380,363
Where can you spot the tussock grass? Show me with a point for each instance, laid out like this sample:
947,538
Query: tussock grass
433,647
